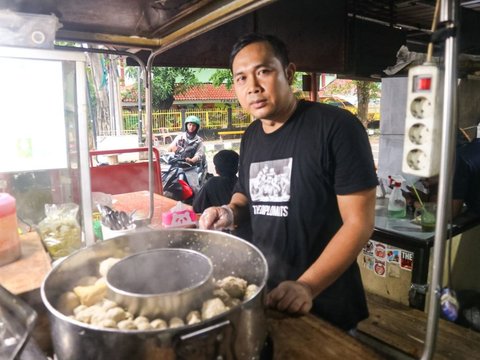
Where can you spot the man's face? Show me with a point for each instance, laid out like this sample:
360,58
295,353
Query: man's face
191,127
261,83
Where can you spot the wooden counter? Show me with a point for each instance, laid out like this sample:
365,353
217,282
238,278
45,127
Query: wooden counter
24,278
310,338
27,273
140,201
404,329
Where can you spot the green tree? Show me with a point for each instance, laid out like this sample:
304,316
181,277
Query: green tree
365,91
169,81
166,83
222,76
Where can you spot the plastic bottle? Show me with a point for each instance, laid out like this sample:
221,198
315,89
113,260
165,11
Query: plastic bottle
397,205
9,240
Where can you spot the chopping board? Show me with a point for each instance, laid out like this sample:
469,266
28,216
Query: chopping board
26,273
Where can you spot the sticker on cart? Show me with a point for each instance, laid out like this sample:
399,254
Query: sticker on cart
368,248
380,251
393,255
380,268
368,262
406,260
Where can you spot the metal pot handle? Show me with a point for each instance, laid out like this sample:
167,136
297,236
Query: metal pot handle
205,343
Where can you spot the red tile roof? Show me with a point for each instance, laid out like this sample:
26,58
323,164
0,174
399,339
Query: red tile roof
207,92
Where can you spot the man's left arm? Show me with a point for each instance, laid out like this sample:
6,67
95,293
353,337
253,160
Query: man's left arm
358,214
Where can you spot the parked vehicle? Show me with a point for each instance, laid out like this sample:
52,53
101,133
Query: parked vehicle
181,180
338,102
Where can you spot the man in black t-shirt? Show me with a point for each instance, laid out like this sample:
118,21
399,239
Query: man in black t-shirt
306,182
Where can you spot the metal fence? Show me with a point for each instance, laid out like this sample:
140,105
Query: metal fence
215,119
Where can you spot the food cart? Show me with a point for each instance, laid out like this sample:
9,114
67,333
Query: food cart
160,34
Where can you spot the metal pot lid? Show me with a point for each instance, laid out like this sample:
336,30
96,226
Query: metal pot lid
161,282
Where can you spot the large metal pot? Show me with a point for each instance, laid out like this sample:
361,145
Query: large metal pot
236,334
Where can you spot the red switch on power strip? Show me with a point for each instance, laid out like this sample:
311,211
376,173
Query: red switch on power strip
423,83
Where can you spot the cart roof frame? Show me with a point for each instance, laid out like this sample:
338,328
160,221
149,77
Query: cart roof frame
341,31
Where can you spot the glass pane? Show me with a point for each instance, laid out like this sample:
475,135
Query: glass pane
38,140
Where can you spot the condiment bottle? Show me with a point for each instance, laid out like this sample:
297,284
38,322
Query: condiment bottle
9,240
397,205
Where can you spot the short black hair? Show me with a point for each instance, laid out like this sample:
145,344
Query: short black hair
278,46
226,162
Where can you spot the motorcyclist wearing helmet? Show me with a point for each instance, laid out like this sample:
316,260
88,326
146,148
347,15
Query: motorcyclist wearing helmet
189,146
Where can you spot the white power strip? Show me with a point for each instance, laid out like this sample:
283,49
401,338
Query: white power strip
423,123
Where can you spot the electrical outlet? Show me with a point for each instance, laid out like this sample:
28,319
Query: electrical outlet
421,108
423,123
417,160
418,134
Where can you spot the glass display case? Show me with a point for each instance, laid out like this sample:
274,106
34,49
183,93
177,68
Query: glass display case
44,135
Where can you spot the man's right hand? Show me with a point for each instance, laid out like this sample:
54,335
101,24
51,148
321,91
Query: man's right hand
294,297
217,218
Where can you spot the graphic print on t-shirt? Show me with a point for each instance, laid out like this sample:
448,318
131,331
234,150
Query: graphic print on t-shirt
270,181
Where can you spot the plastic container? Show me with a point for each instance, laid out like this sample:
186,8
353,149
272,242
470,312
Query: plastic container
397,205
179,216
27,30
9,240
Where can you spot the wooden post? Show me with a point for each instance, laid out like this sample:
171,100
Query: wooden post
229,118
313,87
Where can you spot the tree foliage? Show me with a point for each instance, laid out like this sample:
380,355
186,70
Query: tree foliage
222,76
166,83
99,68
365,91
169,81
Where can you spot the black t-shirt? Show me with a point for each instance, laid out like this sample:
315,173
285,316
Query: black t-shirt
216,191
291,178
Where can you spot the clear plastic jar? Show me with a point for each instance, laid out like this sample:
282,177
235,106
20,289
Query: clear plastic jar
9,239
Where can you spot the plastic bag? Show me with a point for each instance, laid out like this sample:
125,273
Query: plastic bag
60,230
